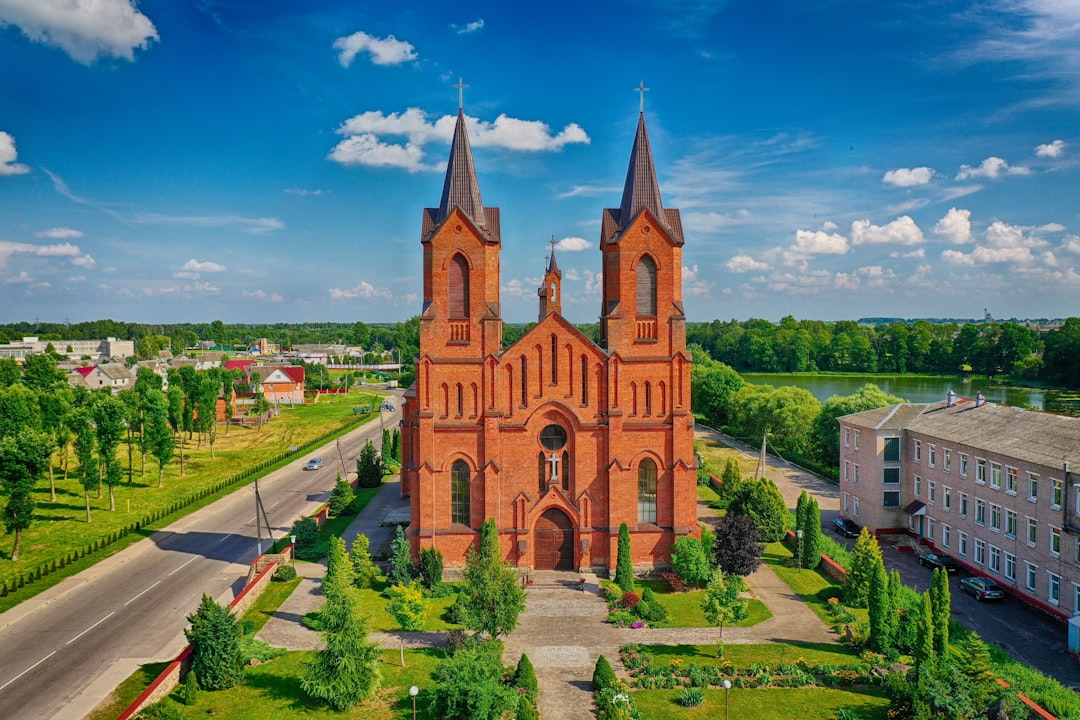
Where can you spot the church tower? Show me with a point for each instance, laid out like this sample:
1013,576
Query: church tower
550,290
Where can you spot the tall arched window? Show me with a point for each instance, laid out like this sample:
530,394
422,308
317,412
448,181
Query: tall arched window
554,360
460,401
524,379
542,472
459,492
565,471
584,380
646,491
458,282
646,287
648,398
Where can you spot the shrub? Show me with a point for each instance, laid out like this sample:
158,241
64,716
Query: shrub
341,497
470,684
603,675
307,539
252,649
189,691
431,568
526,710
689,561
650,608
629,600
215,638
164,710
284,573
525,679
624,568
692,697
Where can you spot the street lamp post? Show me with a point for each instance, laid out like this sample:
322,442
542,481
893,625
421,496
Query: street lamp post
292,539
414,691
727,705
799,533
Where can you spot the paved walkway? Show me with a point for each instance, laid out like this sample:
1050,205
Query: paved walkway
562,629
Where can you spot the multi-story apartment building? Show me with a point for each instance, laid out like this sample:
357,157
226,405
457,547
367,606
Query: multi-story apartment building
989,484
100,350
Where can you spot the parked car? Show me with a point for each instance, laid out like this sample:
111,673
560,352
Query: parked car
387,406
938,560
982,588
846,527
314,463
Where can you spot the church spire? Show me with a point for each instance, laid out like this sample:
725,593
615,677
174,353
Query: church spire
550,291
641,189
461,188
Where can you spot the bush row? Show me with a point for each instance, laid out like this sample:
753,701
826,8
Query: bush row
153,516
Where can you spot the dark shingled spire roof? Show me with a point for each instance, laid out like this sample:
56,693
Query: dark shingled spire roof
461,189
552,265
641,189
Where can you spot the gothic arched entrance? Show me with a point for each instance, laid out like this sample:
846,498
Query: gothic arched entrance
553,541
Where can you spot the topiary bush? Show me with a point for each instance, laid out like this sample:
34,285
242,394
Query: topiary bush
603,675
525,679
307,539
284,573
431,568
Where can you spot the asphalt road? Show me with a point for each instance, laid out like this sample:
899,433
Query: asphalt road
63,652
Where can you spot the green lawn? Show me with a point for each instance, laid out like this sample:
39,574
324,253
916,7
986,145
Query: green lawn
743,656
373,603
684,609
269,601
272,690
766,704
809,585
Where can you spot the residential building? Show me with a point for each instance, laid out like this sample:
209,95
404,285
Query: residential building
988,484
557,438
97,350
114,376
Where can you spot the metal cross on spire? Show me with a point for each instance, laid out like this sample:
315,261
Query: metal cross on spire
460,92
642,89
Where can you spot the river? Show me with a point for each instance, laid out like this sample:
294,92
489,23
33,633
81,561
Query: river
921,389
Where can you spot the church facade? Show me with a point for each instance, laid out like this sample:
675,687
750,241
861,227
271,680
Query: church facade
556,437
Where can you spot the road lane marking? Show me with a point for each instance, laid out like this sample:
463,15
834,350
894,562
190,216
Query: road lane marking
27,670
142,593
91,627
224,538
183,566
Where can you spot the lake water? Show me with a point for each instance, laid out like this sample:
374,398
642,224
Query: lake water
918,389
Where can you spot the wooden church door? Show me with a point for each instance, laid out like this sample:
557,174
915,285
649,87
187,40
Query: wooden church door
554,541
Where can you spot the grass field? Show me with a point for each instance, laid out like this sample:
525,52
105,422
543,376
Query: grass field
743,656
716,455
60,530
766,704
684,609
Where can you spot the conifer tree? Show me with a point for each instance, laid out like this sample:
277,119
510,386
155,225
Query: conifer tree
812,540
800,525
880,610
525,678
493,596
732,480
924,644
895,617
215,641
941,601
401,568
346,671
864,556
364,571
624,568
974,664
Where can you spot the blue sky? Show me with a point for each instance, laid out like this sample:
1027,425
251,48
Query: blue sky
191,160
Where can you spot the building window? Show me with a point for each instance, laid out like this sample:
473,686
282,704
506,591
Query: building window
980,471
946,460
554,360
918,451
1010,524
946,498
1076,559
1054,594
1033,487
459,492
961,544
980,512
856,474
891,476
1055,497
892,499
995,476
931,492
980,552
995,560
524,380
933,455
1011,480
584,380
963,465
847,471
963,505
995,517
856,439
565,469
892,449
543,471
1010,567
646,484
846,503
855,506
1032,532
1055,541
930,523
460,400
918,486
458,282
646,287
1032,570
648,398
946,536
847,436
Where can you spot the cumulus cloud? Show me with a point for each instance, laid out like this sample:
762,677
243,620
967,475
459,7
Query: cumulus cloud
194,265
8,154
809,243
84,261
365,144
262,295
7,249
84,29
693,283
901,231
991,168
22,278
469,27
383,51
908,177
59,233
1003,243
1051,150
745,263
1071,244
365,290
573,244
955,226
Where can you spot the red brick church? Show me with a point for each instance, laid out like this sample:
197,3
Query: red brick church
559,439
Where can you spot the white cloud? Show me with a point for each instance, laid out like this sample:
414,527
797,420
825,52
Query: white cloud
919,253
252,226
694,284
901,231
745,263
588,191
84,29
194,265
991,168
383,51
365,290
22,278
262,295
908,177
711,222
7,249
573,244
1003,243
955,226
8,154
302,192
85,261
364,144
1051,150
810,243
59,233
467,28
1071,244
77,278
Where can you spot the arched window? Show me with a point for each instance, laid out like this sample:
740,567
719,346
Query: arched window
542,472
460,401
648,398
524,380
554,360
458,282
459,492
646,492
646,287
565,471
584,380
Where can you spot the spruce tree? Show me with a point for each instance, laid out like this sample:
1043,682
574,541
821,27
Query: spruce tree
624,568
880,611
941,601
341,497
525,678
215,641
364,571
493,596
346,671
924,644
369,467
732,480
975,666
401,567
864,556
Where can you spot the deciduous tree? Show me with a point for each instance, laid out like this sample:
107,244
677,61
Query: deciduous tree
23,459
737,545
407,605
722,603
690,561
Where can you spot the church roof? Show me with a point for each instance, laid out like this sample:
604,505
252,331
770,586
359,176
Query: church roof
461,188
641,189
553,266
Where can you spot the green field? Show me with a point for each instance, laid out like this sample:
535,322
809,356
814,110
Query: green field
766,704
